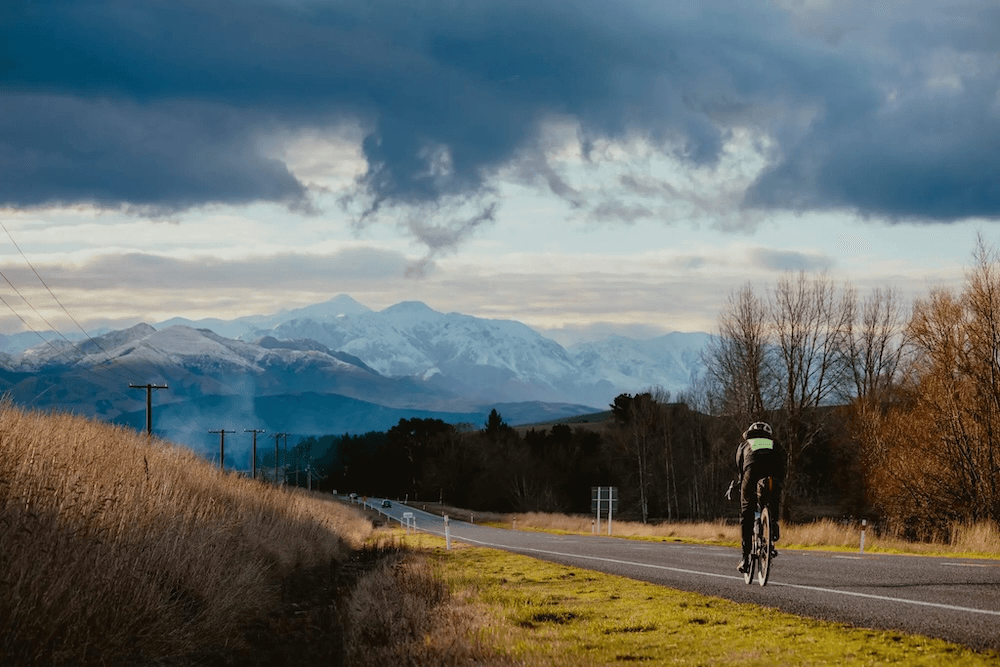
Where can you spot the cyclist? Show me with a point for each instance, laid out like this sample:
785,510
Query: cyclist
759,456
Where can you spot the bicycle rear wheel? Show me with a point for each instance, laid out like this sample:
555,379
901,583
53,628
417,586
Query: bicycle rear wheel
764,548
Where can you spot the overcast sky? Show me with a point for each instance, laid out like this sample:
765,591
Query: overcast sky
584,167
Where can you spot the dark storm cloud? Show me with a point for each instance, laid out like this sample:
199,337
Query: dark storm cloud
67,150
167,105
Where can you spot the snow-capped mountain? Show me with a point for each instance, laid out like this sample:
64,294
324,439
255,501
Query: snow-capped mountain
339,305
340,367
671,362
197,362
479,358
486,359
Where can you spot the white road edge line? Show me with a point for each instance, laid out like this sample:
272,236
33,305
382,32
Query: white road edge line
936,605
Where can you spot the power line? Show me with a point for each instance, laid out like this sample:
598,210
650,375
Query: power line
54,297
44,319
149,387
73,362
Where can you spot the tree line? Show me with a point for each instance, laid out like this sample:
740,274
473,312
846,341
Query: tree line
902,400
657,453
887,409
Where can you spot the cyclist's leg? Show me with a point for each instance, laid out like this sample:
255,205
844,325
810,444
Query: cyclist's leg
773,505
748,505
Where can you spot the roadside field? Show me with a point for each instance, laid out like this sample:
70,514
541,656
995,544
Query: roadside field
538,613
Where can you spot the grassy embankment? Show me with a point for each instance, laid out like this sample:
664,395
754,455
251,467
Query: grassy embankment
117,549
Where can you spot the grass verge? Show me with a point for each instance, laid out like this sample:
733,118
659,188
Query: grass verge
537,613
980,540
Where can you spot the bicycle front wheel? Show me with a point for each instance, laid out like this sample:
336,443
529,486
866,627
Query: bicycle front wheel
764,548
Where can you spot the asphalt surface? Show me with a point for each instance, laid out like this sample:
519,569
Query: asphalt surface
955,599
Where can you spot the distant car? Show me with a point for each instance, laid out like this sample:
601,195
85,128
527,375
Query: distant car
386,503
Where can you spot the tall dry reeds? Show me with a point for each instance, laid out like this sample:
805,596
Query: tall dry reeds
712,531
401,613
965,538
116,548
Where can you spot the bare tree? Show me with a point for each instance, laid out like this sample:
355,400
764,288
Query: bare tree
636,420
739,360
938,470
808,320
873,343
982,301
934,455
668,431
712,452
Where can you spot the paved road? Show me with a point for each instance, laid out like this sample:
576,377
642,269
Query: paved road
952,598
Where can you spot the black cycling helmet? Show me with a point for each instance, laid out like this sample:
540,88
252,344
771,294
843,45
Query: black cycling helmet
759,428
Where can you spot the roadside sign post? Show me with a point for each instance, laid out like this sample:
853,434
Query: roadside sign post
601,497
447,534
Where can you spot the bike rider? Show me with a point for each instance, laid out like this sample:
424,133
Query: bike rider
759,456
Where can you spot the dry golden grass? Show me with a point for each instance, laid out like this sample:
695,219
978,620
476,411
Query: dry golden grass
118,548
976,538
971,539
401,613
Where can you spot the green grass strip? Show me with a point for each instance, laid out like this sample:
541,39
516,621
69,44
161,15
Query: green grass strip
547,614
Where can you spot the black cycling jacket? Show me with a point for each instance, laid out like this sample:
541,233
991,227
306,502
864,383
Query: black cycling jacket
761,457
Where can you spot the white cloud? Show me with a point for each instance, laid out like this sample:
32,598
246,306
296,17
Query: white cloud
328,160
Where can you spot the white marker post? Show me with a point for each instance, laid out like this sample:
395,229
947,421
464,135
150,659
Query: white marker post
611,499
447,534
864,522
599,510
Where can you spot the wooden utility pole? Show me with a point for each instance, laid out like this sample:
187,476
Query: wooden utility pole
276,437
222,446
149,402
253,453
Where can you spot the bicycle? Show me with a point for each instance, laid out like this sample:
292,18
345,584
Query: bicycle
762,550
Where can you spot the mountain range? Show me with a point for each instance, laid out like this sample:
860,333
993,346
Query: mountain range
335,367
